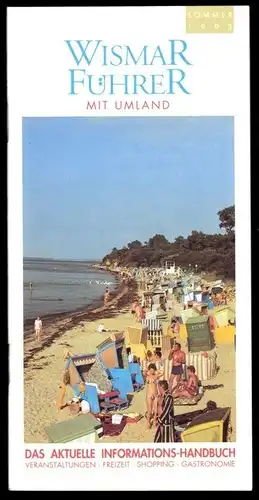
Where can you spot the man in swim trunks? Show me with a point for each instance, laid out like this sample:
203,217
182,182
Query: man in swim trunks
188,388
151,380
178,359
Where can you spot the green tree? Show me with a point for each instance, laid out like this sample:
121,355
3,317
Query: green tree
227,218
179,240
196,240
158,241
135,244
213,253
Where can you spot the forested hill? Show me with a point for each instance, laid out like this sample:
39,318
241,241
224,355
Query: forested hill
212,253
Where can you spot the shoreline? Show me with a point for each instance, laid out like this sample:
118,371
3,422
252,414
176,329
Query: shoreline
49,317
55,325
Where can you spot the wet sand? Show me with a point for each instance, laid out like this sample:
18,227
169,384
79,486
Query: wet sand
45,367
54,326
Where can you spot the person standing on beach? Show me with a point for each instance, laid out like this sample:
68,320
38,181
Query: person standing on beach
178,359
38,328
151,392
133,309
106,296
165,421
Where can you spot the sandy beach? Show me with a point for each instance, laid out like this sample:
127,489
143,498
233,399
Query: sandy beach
44,367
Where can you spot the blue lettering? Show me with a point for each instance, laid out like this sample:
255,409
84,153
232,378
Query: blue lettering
105,47
175,53
173,82
158,53
73,81
157,83
101,83
135,61
115,54
138,84
82,50
113,84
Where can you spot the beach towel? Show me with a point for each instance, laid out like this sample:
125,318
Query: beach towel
183,401
110,429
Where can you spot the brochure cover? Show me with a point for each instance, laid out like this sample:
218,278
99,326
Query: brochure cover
129,248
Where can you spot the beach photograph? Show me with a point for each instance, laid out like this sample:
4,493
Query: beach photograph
129,292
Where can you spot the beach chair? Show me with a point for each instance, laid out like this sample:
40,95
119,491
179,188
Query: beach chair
121,404
136,376
110,401
106,402
136,385
155,331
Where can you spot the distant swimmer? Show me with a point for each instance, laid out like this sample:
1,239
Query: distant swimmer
30,285
38,328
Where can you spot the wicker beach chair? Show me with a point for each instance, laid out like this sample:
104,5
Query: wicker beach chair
155,331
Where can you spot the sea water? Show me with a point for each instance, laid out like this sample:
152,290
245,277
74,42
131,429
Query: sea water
61,286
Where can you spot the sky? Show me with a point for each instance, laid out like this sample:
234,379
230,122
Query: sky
91,184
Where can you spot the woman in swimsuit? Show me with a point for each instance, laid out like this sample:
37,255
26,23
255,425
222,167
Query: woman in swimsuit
159,362
151,380
188,389
150,358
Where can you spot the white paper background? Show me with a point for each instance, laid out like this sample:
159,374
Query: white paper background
38,62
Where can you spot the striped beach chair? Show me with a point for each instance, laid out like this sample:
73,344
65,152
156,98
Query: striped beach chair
155,331
205,366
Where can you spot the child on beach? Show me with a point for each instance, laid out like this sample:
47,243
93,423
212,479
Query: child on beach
152,378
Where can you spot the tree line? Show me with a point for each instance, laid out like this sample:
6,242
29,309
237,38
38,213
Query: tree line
212,253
